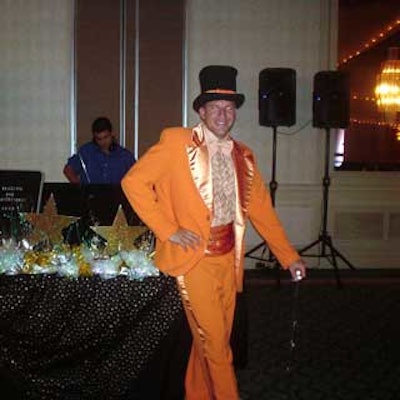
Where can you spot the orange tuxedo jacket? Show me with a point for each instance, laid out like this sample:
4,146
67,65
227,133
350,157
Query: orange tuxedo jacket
170,186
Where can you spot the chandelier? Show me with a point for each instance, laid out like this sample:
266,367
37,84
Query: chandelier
387,88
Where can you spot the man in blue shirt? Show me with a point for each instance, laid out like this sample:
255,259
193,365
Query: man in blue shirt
102,160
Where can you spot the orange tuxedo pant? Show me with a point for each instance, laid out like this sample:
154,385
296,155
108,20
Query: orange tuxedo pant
208,292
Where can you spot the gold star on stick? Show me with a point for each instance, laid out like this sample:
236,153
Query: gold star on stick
120,236
49,223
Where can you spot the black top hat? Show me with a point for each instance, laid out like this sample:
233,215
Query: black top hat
218,82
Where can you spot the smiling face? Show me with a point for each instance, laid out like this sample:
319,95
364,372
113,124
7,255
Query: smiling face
218,116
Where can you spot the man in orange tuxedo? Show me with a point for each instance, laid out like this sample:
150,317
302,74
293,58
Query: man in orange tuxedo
195,189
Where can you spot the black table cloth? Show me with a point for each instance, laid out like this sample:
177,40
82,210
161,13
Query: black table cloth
90,338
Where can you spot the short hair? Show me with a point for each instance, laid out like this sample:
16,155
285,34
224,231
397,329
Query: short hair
101,124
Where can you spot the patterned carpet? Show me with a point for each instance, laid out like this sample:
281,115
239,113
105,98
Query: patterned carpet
346,340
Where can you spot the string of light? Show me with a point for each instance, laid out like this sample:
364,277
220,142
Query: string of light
373,41
363,98
370,122
393,127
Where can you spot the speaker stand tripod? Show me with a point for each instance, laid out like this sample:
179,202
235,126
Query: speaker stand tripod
324,240
273,186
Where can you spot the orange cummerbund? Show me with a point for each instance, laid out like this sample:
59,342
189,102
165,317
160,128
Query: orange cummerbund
221,241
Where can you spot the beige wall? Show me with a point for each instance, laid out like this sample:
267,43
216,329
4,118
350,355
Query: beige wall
36,40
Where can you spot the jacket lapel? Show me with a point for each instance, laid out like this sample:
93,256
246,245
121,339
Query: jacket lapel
200,166
244,165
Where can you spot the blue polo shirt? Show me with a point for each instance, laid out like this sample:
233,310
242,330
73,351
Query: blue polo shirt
94,166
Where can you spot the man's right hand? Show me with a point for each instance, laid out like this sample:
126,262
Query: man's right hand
185,238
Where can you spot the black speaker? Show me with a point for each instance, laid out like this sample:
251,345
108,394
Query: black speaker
277,97
331,100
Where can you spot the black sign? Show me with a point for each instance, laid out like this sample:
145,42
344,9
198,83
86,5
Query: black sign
20,191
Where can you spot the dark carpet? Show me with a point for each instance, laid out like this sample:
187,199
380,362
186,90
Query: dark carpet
314,340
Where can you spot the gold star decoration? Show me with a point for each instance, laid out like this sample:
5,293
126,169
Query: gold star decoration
120,236
48,224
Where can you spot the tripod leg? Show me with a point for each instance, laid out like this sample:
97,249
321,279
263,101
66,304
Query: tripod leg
328,241
308,247
251,251
343,258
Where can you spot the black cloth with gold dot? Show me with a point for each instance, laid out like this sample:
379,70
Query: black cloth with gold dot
84,338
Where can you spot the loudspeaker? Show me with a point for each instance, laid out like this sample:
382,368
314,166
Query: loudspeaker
277,97
331,100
